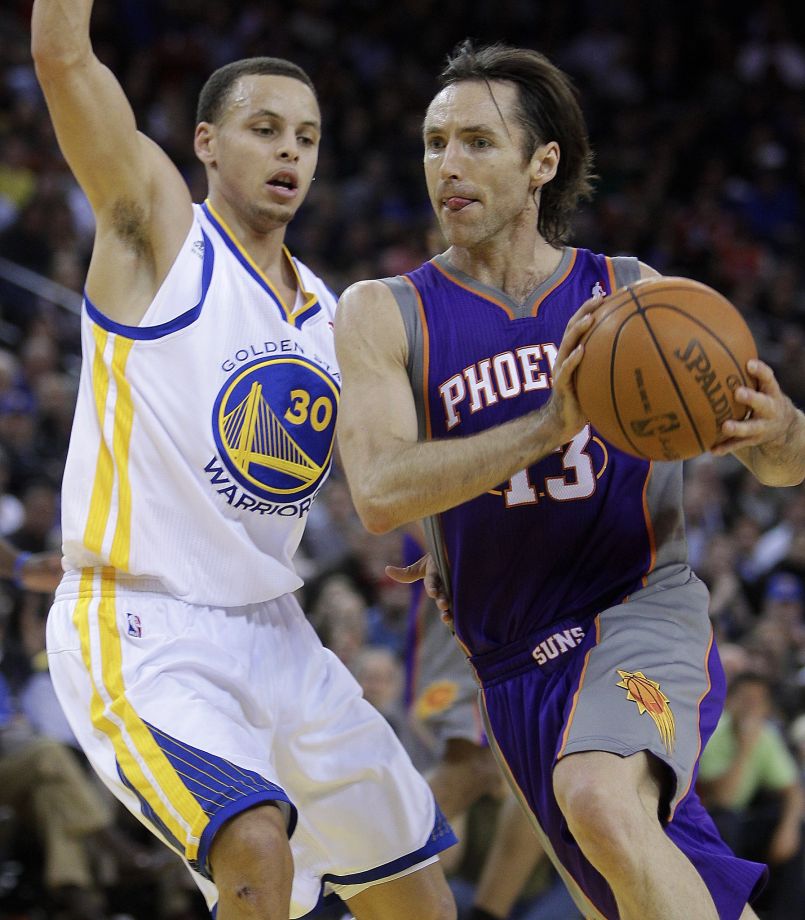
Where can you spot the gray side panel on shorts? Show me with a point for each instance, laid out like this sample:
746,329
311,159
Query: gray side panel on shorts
626,270
662,635
406,297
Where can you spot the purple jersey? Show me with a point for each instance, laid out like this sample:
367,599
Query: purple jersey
575,532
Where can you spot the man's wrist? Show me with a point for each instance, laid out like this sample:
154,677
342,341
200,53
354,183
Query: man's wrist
17,568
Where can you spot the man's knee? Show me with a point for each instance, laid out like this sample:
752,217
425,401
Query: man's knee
251,854
603,796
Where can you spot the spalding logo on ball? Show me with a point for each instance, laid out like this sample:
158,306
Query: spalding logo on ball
660,368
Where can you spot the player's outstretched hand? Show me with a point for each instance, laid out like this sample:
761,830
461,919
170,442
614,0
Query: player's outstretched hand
424,569
772,420
564,404
41,572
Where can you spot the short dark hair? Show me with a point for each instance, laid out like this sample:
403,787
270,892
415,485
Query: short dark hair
213,96
548,110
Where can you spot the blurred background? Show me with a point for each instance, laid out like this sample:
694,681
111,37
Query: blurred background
696,113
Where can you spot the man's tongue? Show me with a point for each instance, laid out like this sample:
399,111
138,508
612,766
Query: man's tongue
456,204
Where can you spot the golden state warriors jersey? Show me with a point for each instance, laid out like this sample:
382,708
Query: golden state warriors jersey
202,436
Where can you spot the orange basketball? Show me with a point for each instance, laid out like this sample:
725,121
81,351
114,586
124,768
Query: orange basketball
660,366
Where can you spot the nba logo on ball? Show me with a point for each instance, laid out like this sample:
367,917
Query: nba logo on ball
134,626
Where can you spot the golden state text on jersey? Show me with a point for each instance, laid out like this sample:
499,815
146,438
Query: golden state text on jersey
274,425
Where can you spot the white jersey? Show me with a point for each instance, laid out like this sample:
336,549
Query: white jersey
202,436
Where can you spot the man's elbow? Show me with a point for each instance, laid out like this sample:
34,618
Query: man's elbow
377,515
56,49
377,519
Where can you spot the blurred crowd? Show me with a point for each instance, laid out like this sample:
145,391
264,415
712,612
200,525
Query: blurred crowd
695,113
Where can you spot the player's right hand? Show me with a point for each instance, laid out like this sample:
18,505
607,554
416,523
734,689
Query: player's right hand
424,569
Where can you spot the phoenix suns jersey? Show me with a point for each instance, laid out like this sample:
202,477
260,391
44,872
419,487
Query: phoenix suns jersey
202,436
575,532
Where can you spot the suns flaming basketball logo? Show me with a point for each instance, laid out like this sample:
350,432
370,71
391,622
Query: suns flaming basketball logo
649,698
435,698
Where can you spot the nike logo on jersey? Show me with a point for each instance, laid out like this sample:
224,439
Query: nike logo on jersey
505,376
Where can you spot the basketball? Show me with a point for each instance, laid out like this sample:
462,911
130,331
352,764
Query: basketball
660,366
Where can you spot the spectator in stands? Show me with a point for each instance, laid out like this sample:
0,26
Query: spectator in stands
750,784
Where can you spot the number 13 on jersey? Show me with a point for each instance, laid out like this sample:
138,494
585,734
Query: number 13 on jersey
578,479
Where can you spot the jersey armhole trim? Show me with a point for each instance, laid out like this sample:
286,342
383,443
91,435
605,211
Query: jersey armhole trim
149,333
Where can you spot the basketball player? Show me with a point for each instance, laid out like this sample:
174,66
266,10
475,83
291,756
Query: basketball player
564,559
203,431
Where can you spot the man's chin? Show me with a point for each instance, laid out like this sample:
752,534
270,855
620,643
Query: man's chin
269,217
460,236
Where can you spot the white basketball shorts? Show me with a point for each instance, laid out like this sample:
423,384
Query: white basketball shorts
193,714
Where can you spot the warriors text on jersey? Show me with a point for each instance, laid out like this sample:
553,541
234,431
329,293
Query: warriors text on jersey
573,533
202,436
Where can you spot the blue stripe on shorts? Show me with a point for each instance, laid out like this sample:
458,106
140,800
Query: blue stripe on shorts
221,788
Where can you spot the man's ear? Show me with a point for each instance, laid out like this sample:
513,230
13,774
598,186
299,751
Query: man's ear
204,143
544,164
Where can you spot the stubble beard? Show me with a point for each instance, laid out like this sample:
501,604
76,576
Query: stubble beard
266,217
466,236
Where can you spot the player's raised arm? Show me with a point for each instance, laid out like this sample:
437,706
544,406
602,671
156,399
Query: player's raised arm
141,203
393,477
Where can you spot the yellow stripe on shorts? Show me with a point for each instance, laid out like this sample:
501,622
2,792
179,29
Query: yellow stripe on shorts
140,758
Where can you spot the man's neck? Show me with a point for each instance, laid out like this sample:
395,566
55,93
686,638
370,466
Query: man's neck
514,268
265,248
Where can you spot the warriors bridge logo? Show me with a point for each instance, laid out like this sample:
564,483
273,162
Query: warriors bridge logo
649,698
274,422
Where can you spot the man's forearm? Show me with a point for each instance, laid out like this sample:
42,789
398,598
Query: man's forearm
8,557
416,480
60,30
793,807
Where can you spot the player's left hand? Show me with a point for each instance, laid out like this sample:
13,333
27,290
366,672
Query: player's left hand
424,569
770,424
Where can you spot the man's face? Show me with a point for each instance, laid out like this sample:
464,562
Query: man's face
262,152
477,176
